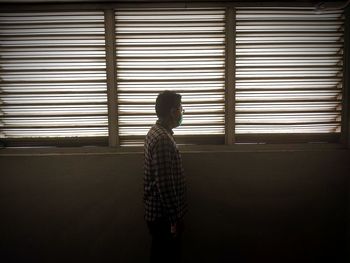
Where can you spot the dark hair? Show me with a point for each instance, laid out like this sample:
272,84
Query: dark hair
167,100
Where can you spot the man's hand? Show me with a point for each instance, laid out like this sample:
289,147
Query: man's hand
177,228
173,229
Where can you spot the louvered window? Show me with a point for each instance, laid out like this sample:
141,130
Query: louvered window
245,74
53,80
288,73
171,49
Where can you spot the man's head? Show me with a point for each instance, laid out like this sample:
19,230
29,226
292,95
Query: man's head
169,108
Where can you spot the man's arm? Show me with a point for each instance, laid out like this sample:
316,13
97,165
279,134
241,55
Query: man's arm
163,155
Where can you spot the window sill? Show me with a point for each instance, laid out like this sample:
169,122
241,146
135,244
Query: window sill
90,150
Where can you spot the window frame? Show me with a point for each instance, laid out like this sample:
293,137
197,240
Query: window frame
112,141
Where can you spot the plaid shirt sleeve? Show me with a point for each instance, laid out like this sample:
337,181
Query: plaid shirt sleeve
165,177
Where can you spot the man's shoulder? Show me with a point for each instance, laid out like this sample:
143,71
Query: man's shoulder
157,134
156,131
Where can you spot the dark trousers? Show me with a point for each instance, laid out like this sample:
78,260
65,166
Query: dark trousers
165,247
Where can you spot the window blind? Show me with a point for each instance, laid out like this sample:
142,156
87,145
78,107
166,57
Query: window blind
288,72
53,80
171,49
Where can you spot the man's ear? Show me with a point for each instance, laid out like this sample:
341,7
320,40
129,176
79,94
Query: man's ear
172,111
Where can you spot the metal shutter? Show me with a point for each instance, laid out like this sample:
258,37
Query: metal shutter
53,80
171,49
289,65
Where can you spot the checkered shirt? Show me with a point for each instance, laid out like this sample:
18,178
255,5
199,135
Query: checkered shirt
164,180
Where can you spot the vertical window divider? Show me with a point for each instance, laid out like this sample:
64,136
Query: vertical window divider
345,129
230,56
113,140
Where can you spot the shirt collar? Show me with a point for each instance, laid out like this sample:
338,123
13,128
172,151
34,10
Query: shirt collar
159,122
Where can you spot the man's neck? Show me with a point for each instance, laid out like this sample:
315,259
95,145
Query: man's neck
166,124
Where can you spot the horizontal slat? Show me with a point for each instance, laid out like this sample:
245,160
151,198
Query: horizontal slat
167,35
167,30
54,121
284,63
178,38
142,81
56,110
50,67
287,106
289,138
47,33
169,54
164,57
312,128
322,88
289,22
197,47
194,97
284,110
54,54
65,126
54,132
194,108
293,46
151,25
63,88
180,140
289,125
46,16
287,56
251,118
290,27
268,96
52,26
171,64
55,141
281,81
190,119
183,130
62,48
262,14
50,78
40,99
25,42
170,16
280,52
158,86
175,76
281,78
149,109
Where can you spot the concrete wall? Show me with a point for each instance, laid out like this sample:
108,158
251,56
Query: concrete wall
244,207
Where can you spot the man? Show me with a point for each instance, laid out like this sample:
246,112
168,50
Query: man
164,181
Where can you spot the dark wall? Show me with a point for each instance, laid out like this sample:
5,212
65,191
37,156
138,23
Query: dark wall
244,207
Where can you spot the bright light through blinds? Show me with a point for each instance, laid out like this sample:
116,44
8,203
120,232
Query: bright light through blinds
53,80
170,49
288,71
